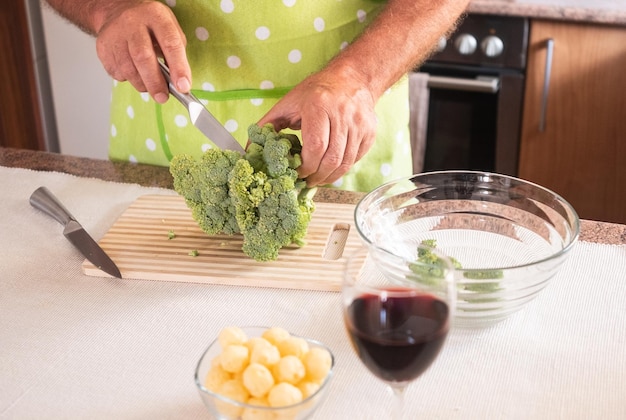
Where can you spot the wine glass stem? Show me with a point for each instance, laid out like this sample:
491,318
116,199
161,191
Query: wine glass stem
398,401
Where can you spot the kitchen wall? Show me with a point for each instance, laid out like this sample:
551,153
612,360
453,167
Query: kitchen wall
80,88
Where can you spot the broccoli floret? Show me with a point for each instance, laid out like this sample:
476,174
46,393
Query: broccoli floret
258,195
426,256
204,185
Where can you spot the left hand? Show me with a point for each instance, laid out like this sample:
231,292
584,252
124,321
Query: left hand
335,112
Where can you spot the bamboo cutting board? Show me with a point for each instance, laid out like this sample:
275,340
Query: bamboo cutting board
138,243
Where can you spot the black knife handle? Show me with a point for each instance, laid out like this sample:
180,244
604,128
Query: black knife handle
45,201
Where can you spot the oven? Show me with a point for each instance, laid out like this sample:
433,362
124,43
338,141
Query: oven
466,100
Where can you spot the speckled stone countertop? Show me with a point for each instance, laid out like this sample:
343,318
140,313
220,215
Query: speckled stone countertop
154,176
612,12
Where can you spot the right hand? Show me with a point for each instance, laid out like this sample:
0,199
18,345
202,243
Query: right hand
130,40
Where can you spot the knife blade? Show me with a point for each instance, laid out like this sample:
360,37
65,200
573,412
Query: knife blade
45,201
201,118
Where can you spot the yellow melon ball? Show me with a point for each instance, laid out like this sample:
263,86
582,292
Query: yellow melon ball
234,358
317,362
308,388
250,413
256,341
234,390
283,394
215,377
231,335
294,346
265,354
275,335
257,379
289,369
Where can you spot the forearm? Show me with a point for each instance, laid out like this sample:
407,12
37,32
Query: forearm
400,38
90,15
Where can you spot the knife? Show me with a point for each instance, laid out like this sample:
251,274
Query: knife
201,117
45,201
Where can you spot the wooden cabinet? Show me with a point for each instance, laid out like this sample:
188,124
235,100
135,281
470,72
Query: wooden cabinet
21,114
581,151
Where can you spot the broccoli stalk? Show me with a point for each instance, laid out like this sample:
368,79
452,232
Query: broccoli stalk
258,195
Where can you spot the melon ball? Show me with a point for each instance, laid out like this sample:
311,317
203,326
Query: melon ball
289,369
308,388
257,379
256,341
234,358
215,377
250,413
231,335
275,335
265,354
317,362
283,394
295,346
234,390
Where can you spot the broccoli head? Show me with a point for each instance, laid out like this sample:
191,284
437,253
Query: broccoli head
258,195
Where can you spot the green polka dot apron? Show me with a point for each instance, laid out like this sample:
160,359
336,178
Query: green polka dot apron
244,57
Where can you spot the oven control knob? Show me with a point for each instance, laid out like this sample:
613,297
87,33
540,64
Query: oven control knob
465,44
492,46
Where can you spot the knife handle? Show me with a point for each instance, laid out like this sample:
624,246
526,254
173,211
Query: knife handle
45,201
184,98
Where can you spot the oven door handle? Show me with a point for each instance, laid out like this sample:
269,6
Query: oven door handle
483,84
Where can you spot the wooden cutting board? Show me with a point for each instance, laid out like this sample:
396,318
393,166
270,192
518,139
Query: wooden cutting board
138,243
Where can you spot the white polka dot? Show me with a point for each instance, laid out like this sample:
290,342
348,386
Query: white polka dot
130,112
150,144
266,84
233,62
115,82
206,147
343,45
262,33
202,33
132,159
319,24
113,130
295,56
208,87
180,120
231,126
171,3
227,6
361,15
256,101
145,96
385,169
400,137
338,183
289,3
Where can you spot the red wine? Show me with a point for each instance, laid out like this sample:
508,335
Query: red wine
397,338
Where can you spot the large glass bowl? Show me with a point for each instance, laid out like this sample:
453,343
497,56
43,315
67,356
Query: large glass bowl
508,237
224,408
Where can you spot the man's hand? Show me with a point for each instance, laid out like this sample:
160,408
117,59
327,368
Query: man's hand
337,119
130,39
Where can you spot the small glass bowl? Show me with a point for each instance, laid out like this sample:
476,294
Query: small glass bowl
508,236
224,408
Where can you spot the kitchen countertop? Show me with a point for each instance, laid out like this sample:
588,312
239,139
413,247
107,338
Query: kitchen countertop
155,176
611,12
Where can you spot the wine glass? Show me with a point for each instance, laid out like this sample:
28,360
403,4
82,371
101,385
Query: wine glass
397,311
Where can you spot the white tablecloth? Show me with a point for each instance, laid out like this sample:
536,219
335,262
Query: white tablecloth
73,346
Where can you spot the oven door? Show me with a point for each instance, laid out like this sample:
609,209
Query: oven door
470,120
